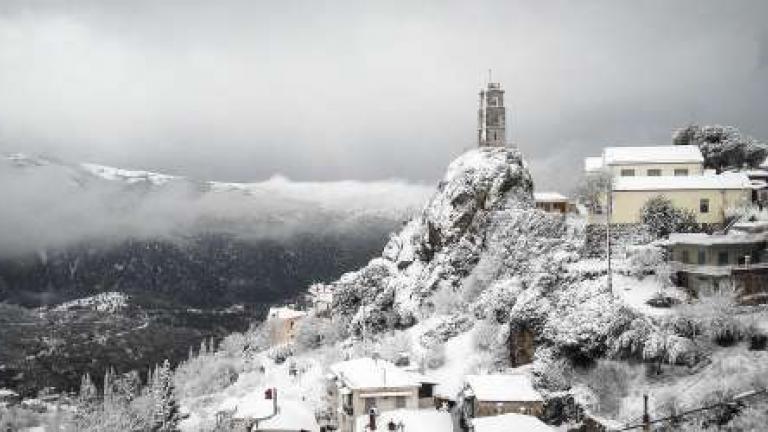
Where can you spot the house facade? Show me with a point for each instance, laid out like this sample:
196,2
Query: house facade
493,395
653,161
551,202
638,174
707,196
283,324
704,263
359,386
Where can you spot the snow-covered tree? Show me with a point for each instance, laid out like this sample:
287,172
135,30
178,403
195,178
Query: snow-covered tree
591,189
723,147
166,415
662,217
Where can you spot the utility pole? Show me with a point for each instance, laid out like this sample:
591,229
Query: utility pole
608,211
646,416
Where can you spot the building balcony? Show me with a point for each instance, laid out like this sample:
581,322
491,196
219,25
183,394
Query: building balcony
715,270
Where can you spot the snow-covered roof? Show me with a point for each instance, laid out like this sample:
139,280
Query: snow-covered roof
510,422
653,154
503,388
703,239
413,420
593,163
759,226
285,313
367,373
549,197
650,183
291,415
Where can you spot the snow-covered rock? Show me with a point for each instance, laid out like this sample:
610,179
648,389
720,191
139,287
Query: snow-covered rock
480,238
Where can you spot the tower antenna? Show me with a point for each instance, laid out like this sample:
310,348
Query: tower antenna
490,76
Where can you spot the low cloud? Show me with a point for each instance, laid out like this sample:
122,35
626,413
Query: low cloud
56,205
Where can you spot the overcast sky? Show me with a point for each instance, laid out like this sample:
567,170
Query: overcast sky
322,90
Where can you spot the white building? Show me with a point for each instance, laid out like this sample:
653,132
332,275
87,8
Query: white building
510,423
656,161
553,202
676,172
360,385
489,395
283,324
255,413
321,297
406,420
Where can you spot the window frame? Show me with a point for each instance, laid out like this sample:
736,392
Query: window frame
682,172
400,402
653,172
704,205
701,257
627,172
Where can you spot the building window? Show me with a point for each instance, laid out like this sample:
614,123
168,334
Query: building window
722,258
370,403
627,172
681,172
702,256
399,401
654,172
685,257
704,205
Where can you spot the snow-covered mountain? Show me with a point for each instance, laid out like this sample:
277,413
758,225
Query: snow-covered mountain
85,201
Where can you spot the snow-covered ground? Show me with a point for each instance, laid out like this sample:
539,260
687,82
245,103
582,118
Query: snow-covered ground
635,293
307,388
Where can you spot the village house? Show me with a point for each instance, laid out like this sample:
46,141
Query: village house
321,298
707,197
675,172
650,161
262,411
509,423
552,202
406,420
704,263
492,395
361,385
283,324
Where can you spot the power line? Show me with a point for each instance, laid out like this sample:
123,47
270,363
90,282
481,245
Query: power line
735,400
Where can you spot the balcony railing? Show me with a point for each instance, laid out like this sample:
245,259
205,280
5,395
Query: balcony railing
715,270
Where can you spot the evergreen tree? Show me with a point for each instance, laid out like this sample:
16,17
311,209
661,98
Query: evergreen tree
166,415
88,395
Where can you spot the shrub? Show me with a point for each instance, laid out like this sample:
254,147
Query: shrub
662,217
552,372
725,330
205,374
